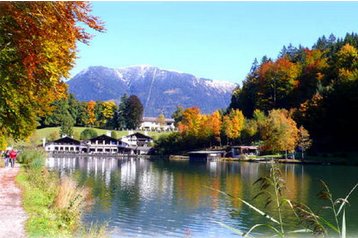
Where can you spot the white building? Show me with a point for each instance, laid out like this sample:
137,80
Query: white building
137,140
65,144
102,144
152,124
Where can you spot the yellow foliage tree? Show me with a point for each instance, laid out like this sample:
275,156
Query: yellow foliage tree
233,123
279,132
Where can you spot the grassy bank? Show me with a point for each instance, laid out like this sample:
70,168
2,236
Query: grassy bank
54,205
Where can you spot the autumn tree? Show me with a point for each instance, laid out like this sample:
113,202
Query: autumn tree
211,128
191,122
280,132
37,50
91,120
233,124
108,112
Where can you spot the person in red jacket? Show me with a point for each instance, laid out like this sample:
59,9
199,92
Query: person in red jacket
12,156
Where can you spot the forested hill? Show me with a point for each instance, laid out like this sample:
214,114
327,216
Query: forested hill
160,91
319,85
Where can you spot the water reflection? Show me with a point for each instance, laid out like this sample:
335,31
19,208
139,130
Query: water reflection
143,198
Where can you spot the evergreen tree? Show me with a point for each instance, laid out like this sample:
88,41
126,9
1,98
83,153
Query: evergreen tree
133,112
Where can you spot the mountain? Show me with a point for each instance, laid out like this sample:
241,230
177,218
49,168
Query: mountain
160,91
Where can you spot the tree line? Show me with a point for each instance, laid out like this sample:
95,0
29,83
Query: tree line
317,85
274,132
69,112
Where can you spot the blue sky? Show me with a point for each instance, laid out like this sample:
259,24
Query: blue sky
215,40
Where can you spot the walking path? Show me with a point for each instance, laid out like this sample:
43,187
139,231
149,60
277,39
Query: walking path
12,214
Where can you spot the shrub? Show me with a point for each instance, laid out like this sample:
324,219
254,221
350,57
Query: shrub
88,134
70,201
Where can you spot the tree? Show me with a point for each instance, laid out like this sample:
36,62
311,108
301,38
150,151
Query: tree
91,120
233,124
37,50
114,134
161,119
190,124
133,112
304,142
279,132
178,115
88,134
108,111
121,121
66,125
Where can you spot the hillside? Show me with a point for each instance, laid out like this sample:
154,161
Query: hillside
160,91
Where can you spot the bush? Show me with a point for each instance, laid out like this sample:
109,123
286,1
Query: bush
32,159
88,134
114,134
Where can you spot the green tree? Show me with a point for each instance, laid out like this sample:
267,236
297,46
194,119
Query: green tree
66,125
133,112
178,115
114,134
120,116
88,134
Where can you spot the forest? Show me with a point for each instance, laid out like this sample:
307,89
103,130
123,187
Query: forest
317,85
305,99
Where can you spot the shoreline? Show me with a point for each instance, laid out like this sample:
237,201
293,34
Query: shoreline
267,160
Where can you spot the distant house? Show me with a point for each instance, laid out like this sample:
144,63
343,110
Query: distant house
152,124
102,144
65,144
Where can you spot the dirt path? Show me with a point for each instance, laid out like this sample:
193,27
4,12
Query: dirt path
12,214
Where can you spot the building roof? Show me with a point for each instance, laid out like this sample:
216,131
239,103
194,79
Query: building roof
139,135
103,137
67,140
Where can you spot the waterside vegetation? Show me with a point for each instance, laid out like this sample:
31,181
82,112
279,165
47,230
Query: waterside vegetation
54,204
272,189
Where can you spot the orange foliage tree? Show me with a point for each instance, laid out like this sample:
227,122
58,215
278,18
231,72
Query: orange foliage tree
91,119
37,50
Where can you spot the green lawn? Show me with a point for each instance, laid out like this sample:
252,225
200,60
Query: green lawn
45,132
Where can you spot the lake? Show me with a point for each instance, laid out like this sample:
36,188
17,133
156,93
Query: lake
143,198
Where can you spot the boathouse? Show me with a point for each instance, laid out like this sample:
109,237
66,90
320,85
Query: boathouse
205,155
236,151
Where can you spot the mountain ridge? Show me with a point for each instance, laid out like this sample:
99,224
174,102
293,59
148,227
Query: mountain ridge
159,90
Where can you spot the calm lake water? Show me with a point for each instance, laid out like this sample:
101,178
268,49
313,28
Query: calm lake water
142,198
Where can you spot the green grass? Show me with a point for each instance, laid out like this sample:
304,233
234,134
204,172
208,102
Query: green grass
37,202
45,132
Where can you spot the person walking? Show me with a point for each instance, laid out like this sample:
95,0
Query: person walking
12,156
6,157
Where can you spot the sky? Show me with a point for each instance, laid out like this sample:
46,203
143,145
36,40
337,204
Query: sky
214,40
